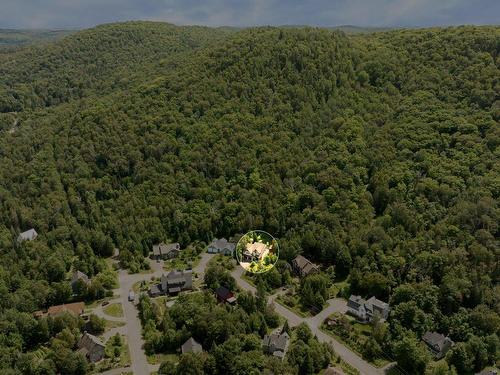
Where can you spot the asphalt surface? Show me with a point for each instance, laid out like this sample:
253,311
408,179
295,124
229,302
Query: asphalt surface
334,305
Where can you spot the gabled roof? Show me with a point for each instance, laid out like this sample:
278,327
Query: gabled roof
355,302
374,303
305,264
191,346
222,244
89,342
223,293
164,249
437,341
78,275
177,277
279,341
75,308
29,235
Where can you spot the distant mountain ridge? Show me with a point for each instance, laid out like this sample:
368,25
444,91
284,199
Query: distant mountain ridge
20,37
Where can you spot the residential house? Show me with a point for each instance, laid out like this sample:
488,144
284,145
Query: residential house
29,235
191,346
276,344
221,246
172,283
78,276
255,252
225,295
175,281
76,308
166,251
303,266
365,310
437,343
91,347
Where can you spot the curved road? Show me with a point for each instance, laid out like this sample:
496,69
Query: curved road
314,323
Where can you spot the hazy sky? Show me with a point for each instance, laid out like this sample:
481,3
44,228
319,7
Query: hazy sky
85,13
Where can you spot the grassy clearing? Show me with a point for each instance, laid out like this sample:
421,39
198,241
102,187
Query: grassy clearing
115,310
110,324
292,303
155,359
187,259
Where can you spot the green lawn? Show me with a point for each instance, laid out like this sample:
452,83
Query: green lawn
155,359
187,259
115,309
292,303
112,360
113,324
356,339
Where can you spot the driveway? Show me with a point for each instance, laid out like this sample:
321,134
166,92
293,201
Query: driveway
314,323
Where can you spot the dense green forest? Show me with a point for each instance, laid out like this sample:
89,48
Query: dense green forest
375,153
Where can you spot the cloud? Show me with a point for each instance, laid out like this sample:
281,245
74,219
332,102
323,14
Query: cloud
78,13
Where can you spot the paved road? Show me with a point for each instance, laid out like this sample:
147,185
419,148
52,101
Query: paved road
200,268
132,328
99,311
314,323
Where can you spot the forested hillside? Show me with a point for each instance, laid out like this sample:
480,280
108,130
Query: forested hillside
375,153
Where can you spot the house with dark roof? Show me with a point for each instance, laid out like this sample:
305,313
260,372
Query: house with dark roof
29,235
437,343
365,310
303,266
276,344
175,281
77,277
224,295
91,347
166,251
191,346
172,283
221,246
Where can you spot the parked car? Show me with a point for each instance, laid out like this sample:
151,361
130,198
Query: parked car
131,296
105,303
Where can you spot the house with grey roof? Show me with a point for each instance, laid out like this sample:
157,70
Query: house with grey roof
166,251
365,310
29,235
172,283
437,343
303,266
91,347
276,344
221,246
79,276
191,346
175,281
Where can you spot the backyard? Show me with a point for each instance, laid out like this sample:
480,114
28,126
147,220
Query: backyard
117,354
187,259
355,335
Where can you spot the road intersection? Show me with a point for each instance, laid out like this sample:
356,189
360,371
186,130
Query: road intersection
133,330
